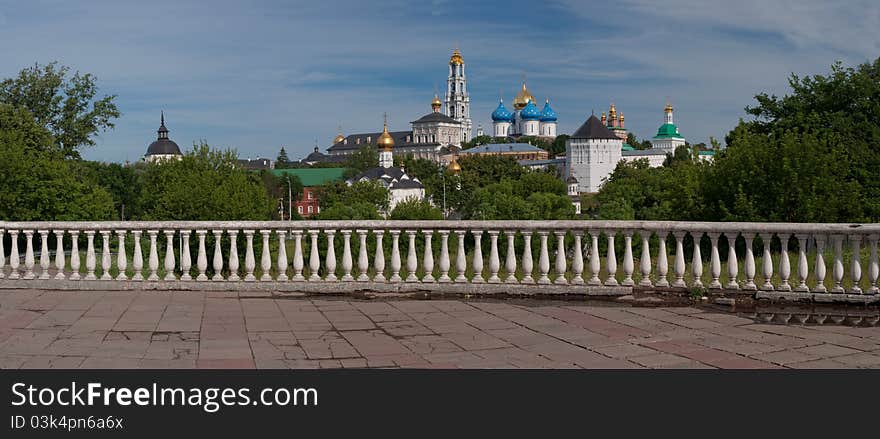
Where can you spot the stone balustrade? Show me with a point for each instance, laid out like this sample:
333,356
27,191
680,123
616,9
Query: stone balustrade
575,257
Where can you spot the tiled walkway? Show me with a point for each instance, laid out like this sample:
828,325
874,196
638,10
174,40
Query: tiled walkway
41,329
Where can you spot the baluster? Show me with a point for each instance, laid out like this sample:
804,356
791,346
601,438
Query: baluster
137,259
105,255
395,255
715,261
697,262
662,263
628,265
233,255
820,264
527,264
154,256
645,259
494,261
612,261
185,257
14,259
856,271
478,257
510,257
347,262
202,258
544,259
3,254
59,254
560,259
577,262
29,255
837,271
679,264
298,264
803,268
90,255
444,256
218,255
44,254
169,256
749,262
121,257
314,257
281,264
460,258
363,261
732,264
412,263
784,265
330,260
428,260
250,263
379,258
767,262
595,259
873,265
265,257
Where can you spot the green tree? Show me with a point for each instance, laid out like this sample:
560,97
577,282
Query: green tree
37,184
414,209
369,192
205,184
364,158
67,105
121,181
282,162
558,145
356,211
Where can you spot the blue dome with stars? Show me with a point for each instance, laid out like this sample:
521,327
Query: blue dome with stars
530,112
547,114
501,114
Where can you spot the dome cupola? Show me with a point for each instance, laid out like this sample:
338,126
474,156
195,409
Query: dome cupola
522,98
547,114
385,141
501,114
163,145
530,111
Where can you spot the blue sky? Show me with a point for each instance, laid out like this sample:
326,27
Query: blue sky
259,75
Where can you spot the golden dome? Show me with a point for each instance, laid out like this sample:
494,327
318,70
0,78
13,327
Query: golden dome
339,137
385,141
435,104
456,58
668,108
612,111
454,167
522,98
621,116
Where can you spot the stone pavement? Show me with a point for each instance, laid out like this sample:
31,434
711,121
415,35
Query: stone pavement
54,329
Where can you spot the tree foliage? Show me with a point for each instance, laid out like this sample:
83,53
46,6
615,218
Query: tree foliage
66,105
413,209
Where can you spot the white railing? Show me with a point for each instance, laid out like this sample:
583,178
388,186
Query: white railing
538,256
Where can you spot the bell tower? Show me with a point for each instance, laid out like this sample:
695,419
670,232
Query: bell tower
458,103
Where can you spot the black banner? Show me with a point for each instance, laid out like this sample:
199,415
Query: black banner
422,402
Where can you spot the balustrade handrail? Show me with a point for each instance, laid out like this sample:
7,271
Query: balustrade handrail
556,254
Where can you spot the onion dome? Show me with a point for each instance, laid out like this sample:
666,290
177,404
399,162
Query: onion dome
456,58
530,112
385,141
668,108
163,145
522,98
612,112
436,104
501,114
454,167
547,114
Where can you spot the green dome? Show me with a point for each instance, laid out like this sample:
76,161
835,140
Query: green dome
668,131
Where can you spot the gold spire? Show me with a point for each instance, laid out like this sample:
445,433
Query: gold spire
385,141
612,112
523,97
435,104
456,58
668,108
339,136
621,116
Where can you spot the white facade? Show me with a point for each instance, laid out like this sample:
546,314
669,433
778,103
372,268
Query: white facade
444,133
548,129
654,160
386,158
458,103
530,128
591,161
501,128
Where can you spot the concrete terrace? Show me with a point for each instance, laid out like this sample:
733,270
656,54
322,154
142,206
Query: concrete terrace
203,329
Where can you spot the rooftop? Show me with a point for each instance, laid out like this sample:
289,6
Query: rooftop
312,176
496,148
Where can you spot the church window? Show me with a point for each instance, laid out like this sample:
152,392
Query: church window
369,139
300,209
310,210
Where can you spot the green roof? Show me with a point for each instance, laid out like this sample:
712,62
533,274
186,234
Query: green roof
312,176
668,131
706,153
628,147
